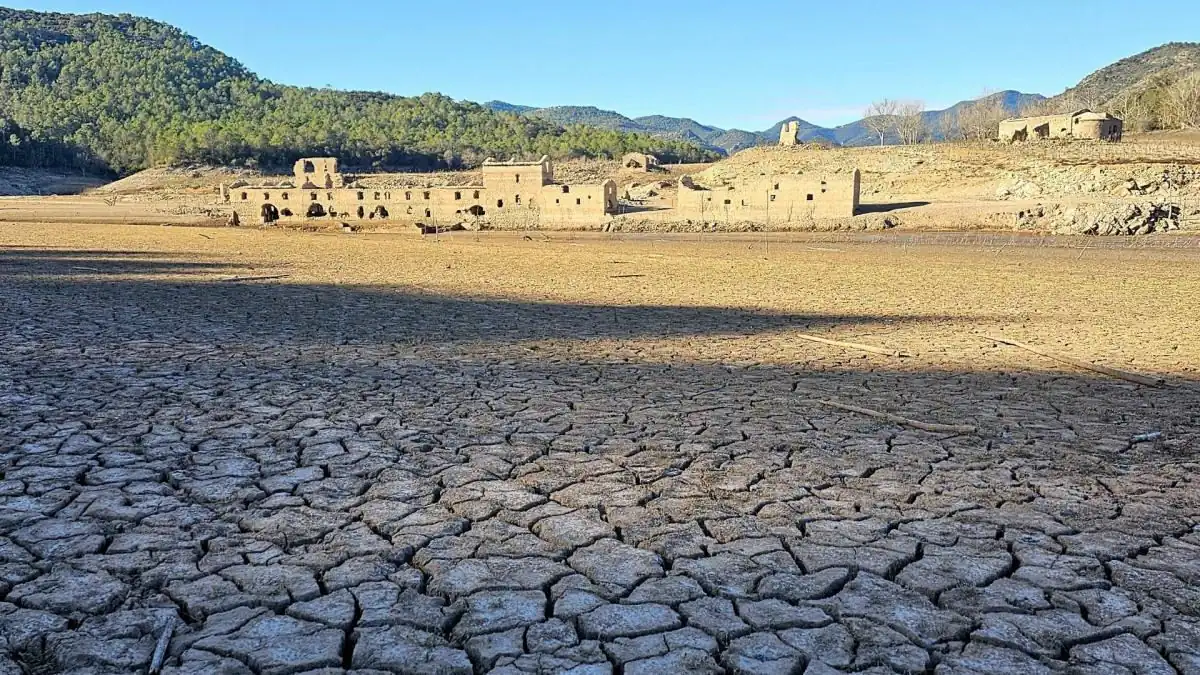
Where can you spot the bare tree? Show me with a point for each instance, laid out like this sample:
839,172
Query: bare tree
1134,109
980,119
910,122
947,126
1087,98
880,118
1042,106
1181,103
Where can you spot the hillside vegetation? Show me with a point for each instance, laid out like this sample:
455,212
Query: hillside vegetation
1156,89
121,93
1140,72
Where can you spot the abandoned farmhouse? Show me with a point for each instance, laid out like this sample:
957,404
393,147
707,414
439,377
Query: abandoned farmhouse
515,193
1081,124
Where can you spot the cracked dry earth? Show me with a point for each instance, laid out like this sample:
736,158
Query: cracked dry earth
492,455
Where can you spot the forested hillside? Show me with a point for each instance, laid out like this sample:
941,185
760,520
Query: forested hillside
120,93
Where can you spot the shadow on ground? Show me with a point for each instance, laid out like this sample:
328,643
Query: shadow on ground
886,207
63,282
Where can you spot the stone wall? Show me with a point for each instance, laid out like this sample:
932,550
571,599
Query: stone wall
790,133
512,194
1082,124
793,198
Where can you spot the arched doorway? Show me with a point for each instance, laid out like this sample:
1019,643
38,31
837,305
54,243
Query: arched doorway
315,210
476,211
361,212
381,212
269,213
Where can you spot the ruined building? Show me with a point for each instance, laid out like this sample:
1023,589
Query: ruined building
639,161
318,172
790,133
771,199
1081,124
521,194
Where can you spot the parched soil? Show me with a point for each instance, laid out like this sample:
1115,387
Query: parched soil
532,454
17,181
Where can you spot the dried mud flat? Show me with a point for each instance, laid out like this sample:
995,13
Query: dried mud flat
385,454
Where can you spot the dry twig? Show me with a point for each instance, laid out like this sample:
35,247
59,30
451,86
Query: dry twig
850,345
1104,370
160,649
915,424
266,278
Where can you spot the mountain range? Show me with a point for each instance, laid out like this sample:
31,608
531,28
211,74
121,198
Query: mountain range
729,141
1142,74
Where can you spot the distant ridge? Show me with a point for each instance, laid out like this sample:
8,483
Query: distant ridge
730,141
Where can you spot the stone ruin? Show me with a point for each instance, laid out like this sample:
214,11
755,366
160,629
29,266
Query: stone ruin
523,192
1081,124
779,199
639,161
790,133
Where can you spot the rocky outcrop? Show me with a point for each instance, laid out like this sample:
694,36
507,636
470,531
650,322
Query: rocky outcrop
1109,218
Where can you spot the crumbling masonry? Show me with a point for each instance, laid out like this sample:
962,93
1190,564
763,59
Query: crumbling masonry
639,161
1081,124
790,133
514,193
778,199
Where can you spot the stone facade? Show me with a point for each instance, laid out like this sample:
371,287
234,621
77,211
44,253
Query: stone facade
778,199
1081,124
318,172
514,194
790,133
639,161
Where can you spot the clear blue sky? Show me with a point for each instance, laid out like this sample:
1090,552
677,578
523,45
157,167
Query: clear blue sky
744,65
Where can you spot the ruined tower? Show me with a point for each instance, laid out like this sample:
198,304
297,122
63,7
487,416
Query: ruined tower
790,133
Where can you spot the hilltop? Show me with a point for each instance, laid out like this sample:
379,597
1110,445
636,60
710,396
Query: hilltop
120,93
1140,73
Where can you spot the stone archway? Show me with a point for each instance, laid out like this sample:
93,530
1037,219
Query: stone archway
269,213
